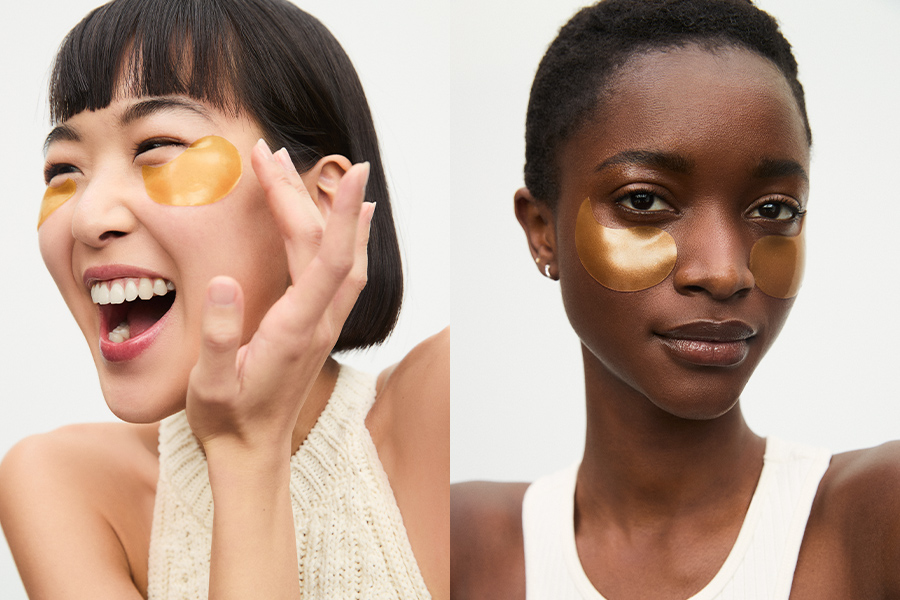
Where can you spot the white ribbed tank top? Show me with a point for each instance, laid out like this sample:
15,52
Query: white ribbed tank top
760,565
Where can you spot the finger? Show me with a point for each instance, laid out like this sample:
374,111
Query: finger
353,285
320,281
299,220
215,376
284,159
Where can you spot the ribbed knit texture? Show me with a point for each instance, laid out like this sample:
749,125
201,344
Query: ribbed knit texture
351,542
760,565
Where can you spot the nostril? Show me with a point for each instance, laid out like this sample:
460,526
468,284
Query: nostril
109,235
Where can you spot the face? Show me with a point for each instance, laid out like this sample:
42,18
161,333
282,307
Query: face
112,233
707,150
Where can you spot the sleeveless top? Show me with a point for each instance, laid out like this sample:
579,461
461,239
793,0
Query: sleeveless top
761,562
351,542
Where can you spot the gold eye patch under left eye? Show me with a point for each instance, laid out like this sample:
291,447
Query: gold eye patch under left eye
55,197
777,262
624,260
204,173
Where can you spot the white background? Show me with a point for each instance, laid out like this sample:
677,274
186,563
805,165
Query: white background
448,84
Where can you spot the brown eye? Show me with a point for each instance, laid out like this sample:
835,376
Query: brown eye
644,201
777,211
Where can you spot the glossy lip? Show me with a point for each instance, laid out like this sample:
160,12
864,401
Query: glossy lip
133,347
106,272
709,343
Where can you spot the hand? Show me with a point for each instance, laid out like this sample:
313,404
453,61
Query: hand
250,396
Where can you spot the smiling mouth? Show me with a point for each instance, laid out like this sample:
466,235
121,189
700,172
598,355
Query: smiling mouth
129,306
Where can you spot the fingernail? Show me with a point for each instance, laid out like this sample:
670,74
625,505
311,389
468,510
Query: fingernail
285,159
221,292
366,180
264,147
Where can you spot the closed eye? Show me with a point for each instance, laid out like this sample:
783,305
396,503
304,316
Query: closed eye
54,169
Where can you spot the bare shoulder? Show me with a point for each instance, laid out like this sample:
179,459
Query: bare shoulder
412,404
410,426
76,505
487,551
853,534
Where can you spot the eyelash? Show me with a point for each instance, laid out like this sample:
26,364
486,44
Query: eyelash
154,143
631,195
52,170
796,211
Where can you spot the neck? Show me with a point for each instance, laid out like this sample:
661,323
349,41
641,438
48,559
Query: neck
315,402
643,465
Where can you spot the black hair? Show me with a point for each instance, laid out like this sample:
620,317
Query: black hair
264,58
599,39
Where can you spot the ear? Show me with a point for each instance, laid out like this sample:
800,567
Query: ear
539,224
323,179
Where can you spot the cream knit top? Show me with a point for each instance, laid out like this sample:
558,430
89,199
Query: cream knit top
351,542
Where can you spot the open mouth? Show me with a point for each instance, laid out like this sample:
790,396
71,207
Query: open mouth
129,306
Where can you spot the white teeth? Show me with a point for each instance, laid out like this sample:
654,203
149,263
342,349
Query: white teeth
145,289
102,294
129,290
120,333
116,293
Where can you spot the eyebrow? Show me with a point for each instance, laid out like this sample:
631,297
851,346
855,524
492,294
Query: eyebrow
658,160
770,168
139,110
145,108
767,168
61,133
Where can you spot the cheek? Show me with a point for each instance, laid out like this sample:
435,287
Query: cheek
624,260
203,174
777,265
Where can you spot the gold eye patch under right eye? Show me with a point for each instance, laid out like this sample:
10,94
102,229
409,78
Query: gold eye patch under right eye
624,260
55,197
204,173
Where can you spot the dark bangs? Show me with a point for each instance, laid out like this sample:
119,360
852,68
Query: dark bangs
266,59
145,48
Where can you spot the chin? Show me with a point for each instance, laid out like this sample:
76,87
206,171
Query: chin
703,403
136,405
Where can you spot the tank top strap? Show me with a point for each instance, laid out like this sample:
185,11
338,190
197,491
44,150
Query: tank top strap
760,565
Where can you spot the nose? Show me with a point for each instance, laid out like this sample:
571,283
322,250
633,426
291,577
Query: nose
103,212
713,258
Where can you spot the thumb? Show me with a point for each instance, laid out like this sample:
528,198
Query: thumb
215,374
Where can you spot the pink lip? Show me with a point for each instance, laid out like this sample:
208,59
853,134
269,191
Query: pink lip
107,272
130,348
709,343
133,347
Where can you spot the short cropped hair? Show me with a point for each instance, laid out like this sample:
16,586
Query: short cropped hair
582,60
264,58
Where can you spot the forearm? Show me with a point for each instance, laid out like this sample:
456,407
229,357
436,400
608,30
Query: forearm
254,551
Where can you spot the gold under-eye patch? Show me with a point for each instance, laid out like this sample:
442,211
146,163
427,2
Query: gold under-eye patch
204,173
624,260
55,197
777,262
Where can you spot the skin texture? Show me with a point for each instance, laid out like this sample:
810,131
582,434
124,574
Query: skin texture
245,353
715,154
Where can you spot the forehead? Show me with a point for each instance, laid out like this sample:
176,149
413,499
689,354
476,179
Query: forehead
707,106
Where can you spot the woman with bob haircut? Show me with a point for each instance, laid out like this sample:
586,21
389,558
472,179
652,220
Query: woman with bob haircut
667,184
212,280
